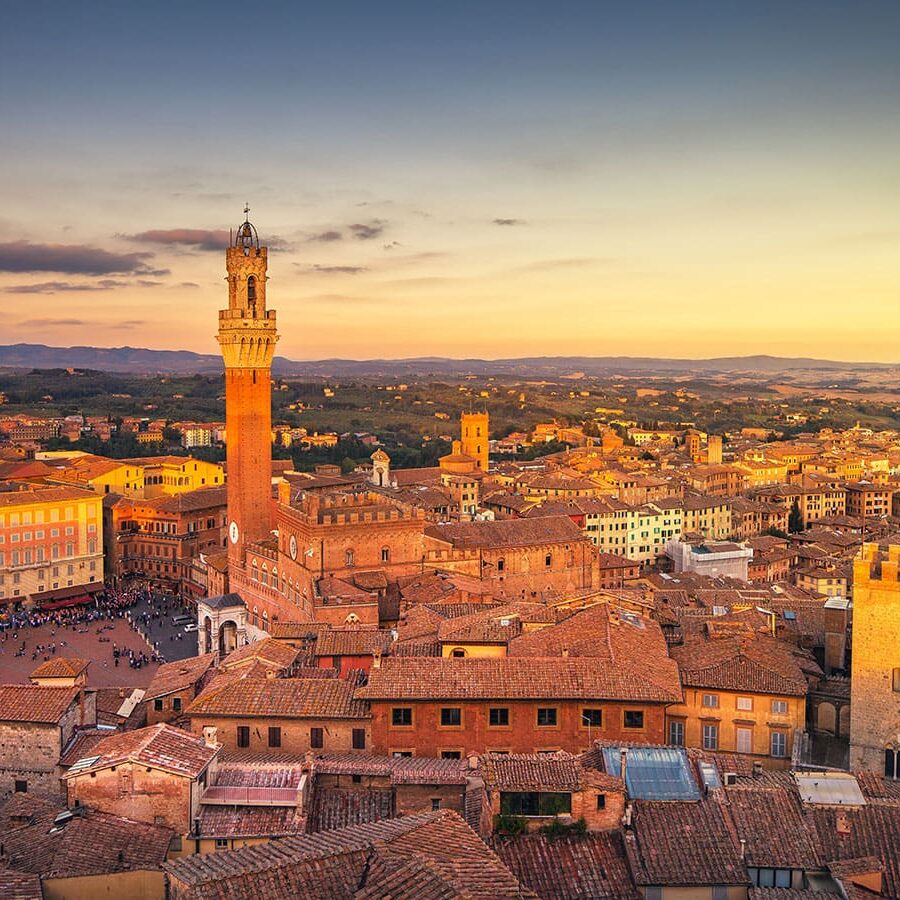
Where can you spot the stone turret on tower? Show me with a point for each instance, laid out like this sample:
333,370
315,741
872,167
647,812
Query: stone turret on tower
247,336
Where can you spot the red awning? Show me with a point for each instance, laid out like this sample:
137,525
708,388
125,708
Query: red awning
64,593
48,605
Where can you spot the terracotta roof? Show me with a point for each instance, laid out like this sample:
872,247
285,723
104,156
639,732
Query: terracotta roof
61,667
532,771
294,631
415,678
401,770
684,843
35,703
179,675
352,642
872,831
489,625
509,532
81,743
90,843
339,588
251,821
418,857
159,746
40,494
778,839
110,701
418,623
333,808
416,476
616,561
585,867
20,886
599,631
373,580
271,652
310,698
258,770
744,663
191,501
417,647
788,894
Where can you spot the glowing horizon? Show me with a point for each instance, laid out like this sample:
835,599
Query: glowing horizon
691,183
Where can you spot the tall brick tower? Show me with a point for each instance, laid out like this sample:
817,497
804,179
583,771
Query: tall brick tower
247,337
473,433
875,663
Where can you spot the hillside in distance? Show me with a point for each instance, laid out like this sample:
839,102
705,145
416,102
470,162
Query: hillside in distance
139,360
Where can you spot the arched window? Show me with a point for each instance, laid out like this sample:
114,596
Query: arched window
275,579
348,558
352,619
891,762
385,554
265,574
501,564
254,571
254,618
251,290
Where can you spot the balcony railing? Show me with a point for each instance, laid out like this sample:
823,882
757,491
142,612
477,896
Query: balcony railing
232,795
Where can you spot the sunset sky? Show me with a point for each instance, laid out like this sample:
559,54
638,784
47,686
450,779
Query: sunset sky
483,179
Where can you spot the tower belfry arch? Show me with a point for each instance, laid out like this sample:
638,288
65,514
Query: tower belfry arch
247,336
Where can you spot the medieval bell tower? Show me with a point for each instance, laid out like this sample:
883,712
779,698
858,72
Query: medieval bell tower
247,337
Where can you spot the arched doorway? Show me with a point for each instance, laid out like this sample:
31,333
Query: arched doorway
227,638
844,721
826,718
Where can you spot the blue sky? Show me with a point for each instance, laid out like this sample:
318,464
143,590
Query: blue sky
641,170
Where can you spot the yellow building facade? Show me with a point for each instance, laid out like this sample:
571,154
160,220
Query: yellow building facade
757,725
51,539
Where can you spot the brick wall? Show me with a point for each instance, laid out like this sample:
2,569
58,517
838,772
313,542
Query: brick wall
874,704
29,753
133,791
426,737
337,734
598,816
169,709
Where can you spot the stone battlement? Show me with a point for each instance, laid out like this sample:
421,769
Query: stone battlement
872,564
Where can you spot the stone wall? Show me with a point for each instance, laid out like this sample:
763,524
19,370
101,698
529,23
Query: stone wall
874,697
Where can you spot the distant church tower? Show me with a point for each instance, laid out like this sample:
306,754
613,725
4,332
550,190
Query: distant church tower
381,469
247,337
473,432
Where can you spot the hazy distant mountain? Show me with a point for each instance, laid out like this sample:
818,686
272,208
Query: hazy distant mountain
143,361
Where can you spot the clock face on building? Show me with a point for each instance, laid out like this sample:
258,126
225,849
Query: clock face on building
233,532
293,546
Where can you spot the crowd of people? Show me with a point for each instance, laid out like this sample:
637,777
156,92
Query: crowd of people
101,614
